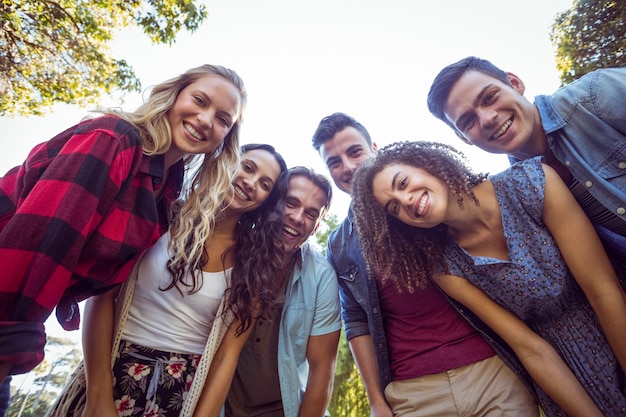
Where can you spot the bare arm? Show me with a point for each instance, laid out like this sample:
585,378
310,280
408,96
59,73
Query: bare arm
539,358
97,345
362,348
321,353
586,259
221,372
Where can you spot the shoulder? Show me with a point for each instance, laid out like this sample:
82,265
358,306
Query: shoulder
592,86
312,257
315,266
111,126
520,172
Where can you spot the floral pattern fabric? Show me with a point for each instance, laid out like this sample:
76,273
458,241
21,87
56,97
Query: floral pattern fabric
150,382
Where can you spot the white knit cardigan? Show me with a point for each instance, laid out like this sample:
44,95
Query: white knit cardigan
73,397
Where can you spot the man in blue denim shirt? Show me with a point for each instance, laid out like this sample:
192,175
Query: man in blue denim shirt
344,144
580,130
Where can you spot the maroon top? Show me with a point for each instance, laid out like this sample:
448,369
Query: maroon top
426,335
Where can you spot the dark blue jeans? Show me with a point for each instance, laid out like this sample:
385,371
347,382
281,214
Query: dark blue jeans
5,395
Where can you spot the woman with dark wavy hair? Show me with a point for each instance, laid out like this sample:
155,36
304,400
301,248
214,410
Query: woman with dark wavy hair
179,330
517,250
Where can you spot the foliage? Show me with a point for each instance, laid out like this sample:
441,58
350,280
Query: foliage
329,223
349,398
42,386
590,35
57,51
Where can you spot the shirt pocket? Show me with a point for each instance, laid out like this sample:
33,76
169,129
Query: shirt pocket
614,165
298,321
352,279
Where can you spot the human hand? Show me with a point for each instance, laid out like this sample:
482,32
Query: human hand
380,410
100,407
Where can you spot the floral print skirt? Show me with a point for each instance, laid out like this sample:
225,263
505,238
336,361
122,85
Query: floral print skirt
150,382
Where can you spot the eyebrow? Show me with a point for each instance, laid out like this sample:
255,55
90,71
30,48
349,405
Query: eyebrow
394,179
332,160
249,160
393,187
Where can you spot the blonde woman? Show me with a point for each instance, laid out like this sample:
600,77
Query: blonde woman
171,320
75,215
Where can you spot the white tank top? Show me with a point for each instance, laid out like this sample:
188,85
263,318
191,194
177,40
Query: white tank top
169,320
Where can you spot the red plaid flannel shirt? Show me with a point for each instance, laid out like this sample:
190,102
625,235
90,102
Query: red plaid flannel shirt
73,220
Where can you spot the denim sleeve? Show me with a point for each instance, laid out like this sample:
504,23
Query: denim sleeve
352,313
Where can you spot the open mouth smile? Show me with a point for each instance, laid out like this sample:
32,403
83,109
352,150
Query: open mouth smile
421,205
502,130
193,132
241,193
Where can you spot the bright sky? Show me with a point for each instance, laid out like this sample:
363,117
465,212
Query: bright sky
302,61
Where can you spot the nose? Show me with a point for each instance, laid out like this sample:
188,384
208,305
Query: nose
248,183
205,118
406,199
297,216
487,117
348,165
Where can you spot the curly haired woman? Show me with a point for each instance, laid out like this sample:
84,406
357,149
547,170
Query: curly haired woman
514,248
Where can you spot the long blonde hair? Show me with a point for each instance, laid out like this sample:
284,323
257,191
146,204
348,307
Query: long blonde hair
193,217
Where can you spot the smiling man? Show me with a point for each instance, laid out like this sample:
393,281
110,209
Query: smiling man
580,131
287,365
413,350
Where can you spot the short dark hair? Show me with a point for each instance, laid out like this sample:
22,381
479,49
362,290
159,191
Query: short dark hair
334,123
317,179
447,77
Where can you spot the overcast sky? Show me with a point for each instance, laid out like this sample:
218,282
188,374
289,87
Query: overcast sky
301,61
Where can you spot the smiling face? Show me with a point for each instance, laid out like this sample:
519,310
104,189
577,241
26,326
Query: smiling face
411,195
343,154
202,115
255,181
494,116
304,204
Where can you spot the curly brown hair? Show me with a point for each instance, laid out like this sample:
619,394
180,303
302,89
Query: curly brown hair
408,256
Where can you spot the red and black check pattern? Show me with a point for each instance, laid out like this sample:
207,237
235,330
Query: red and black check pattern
73,219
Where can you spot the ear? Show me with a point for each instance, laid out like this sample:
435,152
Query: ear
375,148
460,135
516,83
317,225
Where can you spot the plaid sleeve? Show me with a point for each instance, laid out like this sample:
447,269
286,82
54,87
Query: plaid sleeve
60,195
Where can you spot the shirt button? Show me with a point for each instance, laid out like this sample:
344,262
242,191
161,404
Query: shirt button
568,163
375,310
157,180
622,165
621,210
588,184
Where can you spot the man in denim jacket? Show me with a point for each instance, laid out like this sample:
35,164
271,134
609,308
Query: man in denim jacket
580,130
427,356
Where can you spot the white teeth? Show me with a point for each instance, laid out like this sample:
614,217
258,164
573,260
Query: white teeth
291,231
192,131
422,204
502,129
241,194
